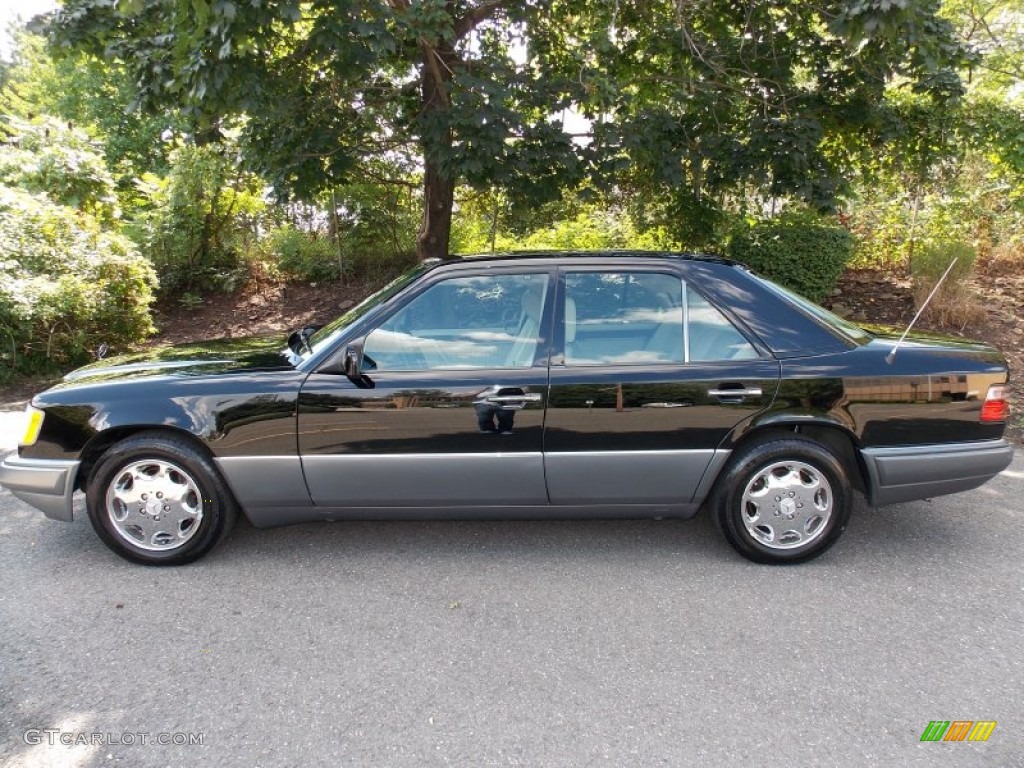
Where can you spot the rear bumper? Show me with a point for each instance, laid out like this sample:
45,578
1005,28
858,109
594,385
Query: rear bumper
923,471
46,484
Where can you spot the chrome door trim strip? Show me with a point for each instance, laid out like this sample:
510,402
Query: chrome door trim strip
673,452
356,457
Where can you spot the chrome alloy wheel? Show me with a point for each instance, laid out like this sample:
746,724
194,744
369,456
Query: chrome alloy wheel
154,505
787,504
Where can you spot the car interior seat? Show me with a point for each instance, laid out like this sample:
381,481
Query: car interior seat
524,348
667,340
570,329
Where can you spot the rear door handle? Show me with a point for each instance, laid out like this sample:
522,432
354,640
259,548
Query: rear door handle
527,397
735,394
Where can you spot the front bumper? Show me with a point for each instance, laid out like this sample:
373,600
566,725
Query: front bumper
923,471
46,484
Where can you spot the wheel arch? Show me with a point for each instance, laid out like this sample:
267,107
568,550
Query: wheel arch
835,437
102,441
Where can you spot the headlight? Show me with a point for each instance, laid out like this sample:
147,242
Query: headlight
33,423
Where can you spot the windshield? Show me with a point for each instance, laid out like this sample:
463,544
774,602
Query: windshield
828,319
362,308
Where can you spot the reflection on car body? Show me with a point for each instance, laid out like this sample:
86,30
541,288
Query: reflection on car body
530,386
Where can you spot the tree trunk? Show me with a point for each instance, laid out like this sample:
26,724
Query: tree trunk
438,198
438,188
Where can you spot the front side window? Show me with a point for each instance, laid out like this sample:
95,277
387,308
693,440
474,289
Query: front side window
486,321
623,318
323,336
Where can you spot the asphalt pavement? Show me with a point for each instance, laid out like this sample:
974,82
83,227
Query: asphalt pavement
543,644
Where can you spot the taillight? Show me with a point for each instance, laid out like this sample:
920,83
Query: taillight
996,407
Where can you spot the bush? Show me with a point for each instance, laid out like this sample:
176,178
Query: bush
304,256
375,268
66,285
590,229
313,256
805,257
956,303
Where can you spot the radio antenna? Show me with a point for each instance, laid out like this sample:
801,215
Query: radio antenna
892,354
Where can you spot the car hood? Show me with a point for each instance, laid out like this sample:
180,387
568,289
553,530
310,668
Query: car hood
198,359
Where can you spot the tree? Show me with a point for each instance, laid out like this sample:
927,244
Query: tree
92,95
692,97
993,28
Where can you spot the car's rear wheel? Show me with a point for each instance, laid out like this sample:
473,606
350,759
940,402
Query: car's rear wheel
155,499
783,500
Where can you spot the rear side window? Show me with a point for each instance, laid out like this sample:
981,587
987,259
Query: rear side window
644,318
622,318
711,335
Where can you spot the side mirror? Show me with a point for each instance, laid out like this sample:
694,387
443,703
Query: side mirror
353,362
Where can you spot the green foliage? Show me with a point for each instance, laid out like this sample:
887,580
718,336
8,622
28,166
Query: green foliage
593,228
95,96
314,256
993,27
805,257
376,217
698,224
955,302
713,98
979,200
199,220
190,301
46,156
932,261
304,256
66,285
378,267
365,230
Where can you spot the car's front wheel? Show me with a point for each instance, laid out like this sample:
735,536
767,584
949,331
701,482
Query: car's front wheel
783,500
155,499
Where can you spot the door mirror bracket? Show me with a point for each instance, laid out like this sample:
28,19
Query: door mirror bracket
353,362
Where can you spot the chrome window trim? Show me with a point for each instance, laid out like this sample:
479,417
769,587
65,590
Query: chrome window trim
686,322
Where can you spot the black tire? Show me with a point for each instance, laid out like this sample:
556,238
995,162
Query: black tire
770,502
195,510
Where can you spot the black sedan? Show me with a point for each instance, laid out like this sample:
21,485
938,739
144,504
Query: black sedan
524,386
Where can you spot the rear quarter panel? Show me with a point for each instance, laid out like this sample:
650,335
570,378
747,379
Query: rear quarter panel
925,395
